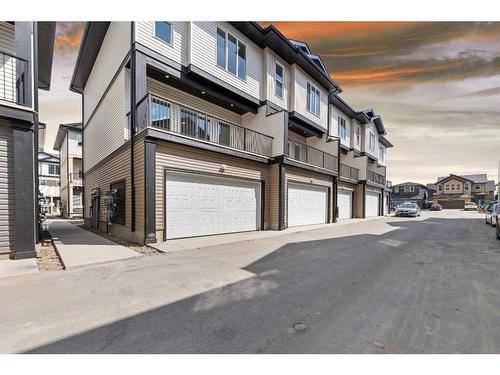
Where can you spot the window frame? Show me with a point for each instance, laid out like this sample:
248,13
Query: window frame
276,81
357,134
342,127
310,89
381,153
171,43
121,221
226,53
371,145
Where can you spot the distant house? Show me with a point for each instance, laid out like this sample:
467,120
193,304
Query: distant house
49,181
456,190
409,192
431,189
69,144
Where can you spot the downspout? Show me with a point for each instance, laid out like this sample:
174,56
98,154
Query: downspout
328,139
133,118
36,124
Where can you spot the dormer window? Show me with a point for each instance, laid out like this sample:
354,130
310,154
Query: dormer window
313,99
279,80
357,131
163,31
342,128
371,144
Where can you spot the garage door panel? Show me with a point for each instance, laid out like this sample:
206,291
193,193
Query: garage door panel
344,203
372,204
306,205
201,205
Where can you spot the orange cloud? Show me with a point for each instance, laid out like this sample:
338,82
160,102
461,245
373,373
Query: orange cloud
69,36
306,30
387,73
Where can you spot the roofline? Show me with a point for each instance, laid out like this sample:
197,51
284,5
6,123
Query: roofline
455,176
385,142
61,132
46,40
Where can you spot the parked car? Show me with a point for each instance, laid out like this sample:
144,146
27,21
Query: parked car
491,213
436,207
470,206
408,209
497,224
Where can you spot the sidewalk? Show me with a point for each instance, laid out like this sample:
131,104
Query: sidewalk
18,267
224,239
78,247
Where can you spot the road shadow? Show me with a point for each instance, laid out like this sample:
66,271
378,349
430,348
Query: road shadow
277,306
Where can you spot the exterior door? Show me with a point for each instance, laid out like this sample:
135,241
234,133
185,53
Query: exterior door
344,199
372,204
307,204
197,205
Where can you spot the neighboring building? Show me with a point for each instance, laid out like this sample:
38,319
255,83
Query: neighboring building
202,128
362,188
410,192
431,189
69,144
456,190
26,50
48,175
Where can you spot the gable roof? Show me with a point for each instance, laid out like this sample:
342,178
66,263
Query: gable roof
46,156
63,129
410,184
475,178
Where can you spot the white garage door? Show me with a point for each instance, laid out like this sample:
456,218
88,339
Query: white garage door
306,204
7,210
372,204
345,204
199,205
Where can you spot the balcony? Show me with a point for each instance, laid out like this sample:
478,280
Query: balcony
76,178
306,154
168,116
13,76
388,184
348,172
375,178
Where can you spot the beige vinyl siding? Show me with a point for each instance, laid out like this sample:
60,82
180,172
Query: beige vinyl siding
298,102
7,38
271,59
273,197
188,100
114,48
139,185
7,191
189,159
271,125
368,129
335,127
204,56
114,170
294,174
177,51
104,133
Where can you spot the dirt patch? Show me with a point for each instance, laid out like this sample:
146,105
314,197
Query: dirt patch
141,249
46,255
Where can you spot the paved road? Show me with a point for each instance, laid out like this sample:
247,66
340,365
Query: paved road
392,285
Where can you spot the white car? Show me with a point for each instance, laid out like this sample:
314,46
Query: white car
408,209
491,215
470,206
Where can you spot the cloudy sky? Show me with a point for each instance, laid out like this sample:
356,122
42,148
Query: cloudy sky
436,85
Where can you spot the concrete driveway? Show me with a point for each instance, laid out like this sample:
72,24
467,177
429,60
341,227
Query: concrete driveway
394,285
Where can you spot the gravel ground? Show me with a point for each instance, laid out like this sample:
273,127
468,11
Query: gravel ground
46,256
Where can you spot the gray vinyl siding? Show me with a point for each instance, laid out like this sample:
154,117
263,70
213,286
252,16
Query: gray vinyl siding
203,55
115,47
7,207
105,131
177,51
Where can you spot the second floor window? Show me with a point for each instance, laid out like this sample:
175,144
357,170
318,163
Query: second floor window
477,187
342,127
372,142
466,186
163,31
231,54
53,169
358,135
278,81
452,186
313,99
381,154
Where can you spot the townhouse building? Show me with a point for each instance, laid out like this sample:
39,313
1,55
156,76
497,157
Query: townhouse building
26,50
362,188
200,128
69,144
410,192
454,190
